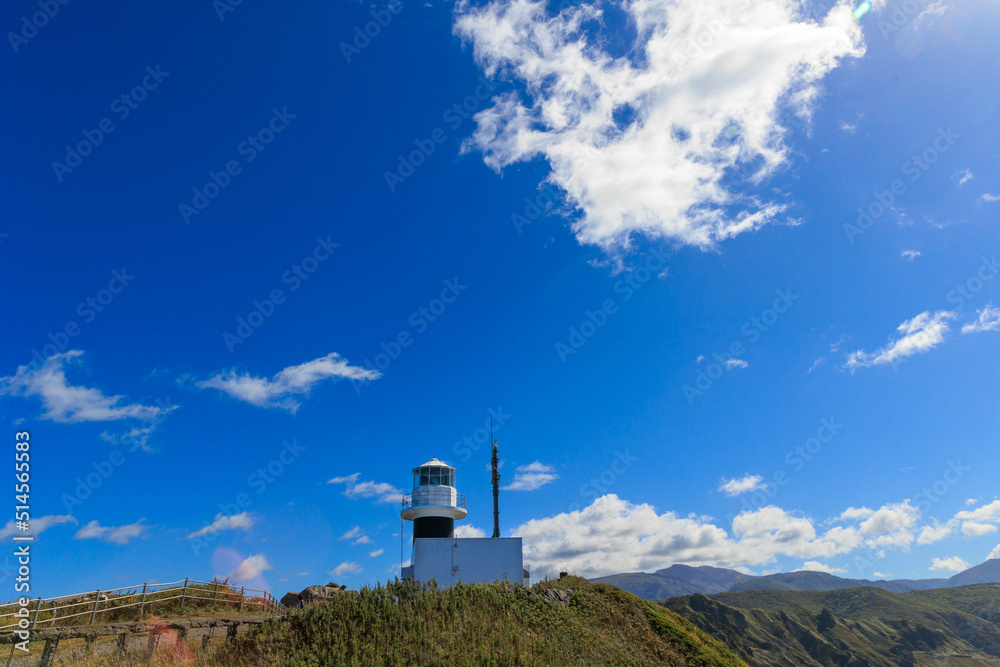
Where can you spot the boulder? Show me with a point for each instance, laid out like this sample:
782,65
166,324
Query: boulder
291,599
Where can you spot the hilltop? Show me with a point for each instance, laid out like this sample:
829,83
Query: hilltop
569,621
857,626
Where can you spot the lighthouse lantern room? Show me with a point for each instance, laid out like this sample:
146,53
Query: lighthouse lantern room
434,503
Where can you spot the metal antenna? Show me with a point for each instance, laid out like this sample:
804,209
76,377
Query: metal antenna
496,484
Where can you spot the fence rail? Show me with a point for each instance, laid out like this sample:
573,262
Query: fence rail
115,599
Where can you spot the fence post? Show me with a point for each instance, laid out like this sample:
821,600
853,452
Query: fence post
215,596
49,654
142,601
242,588
183,594
38,608
97,601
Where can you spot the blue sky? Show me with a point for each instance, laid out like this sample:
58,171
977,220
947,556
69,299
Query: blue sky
634,235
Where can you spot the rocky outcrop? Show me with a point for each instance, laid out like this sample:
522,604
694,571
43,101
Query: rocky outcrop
313,594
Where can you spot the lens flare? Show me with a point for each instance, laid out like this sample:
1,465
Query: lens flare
862,9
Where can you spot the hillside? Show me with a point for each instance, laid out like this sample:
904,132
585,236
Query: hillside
492,624
856,626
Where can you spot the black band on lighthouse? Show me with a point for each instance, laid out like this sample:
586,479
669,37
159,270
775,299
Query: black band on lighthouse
434,526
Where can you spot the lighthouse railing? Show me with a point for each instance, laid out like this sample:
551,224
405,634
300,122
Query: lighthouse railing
442,496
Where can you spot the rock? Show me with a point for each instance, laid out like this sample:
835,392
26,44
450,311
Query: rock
291,599
314,593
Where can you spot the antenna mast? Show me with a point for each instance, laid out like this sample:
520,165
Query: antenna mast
496,485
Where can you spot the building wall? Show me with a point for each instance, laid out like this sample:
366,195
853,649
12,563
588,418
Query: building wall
467,559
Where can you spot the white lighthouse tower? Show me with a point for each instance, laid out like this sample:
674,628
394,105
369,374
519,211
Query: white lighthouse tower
433,506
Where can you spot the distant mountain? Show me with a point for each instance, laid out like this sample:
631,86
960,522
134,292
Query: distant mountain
814,581
679,580
985,573
675,580
854,627
707,579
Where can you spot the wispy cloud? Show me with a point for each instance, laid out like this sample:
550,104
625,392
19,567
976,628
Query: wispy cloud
989,320
250,568
68,403
990,198
920,334
532,476
347,567
376,553
745,484
287,388
383,492
691,121
241,521
36,526
910,254
114,534
963,176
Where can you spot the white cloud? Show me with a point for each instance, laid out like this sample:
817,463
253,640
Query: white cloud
910,254
920,334
980,521
973,529
971,501
745,484
364,539
995,553
697,98
964,175
614,535
468,530
376,553
735,363
989,320
68,403
36,526
347,567
882,575
935,532
532,476
890,526
816,364
849,128
250,568
816,566
352,533
953,564
242,521
855,513
287,387
383,492
990,198
114,534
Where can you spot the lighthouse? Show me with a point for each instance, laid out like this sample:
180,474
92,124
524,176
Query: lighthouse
433,506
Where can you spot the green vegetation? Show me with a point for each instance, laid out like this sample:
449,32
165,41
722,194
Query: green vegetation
863,626
404,623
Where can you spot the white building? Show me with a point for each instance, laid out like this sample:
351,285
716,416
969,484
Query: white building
433,507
